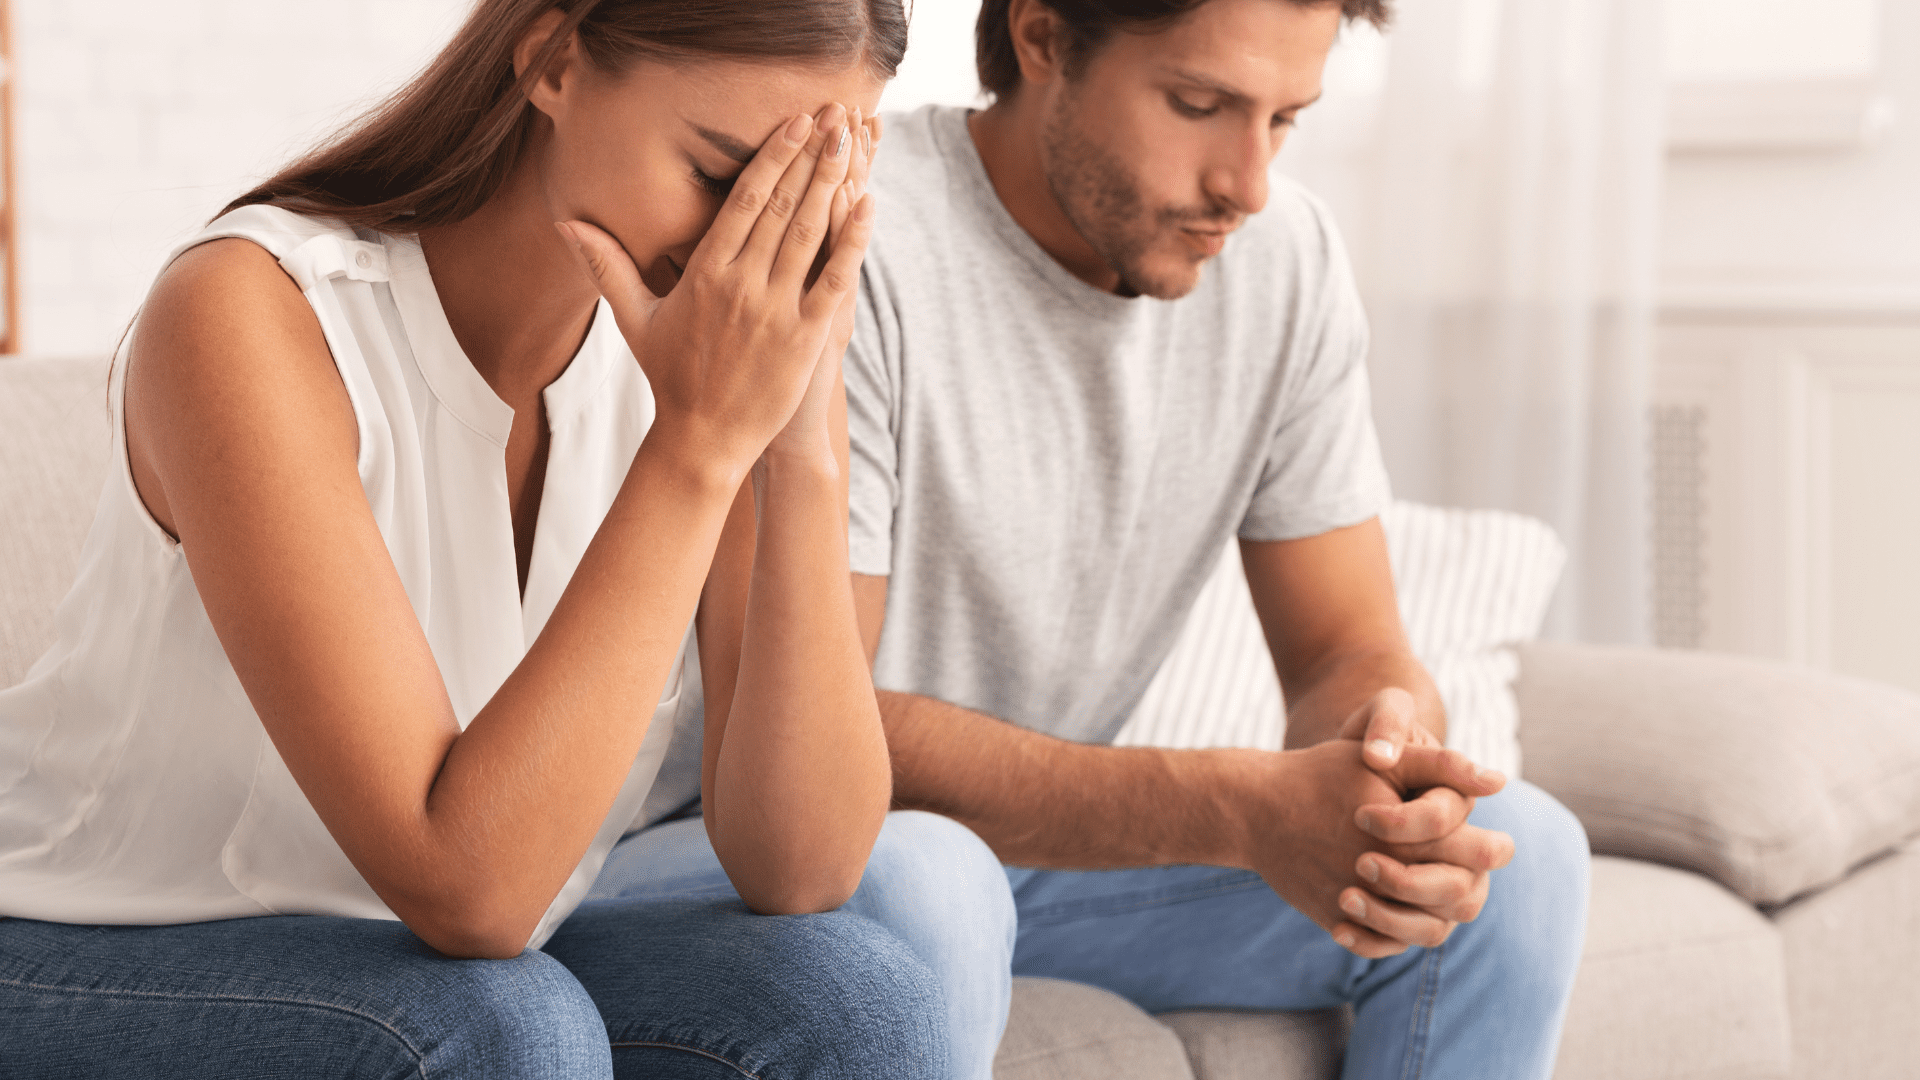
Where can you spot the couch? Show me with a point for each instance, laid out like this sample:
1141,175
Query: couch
1756,832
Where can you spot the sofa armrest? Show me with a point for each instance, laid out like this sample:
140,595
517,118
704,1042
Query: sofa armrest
1774,780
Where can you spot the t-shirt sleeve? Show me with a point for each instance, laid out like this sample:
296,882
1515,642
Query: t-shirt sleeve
1323,469
872,481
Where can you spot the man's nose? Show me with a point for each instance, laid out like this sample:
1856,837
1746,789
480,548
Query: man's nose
1239,178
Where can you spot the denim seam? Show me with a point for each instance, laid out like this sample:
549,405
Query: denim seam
323,1006
1415,1063
734,1065
1163,898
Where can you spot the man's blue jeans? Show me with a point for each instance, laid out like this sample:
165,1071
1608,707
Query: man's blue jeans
1488,1003
664,983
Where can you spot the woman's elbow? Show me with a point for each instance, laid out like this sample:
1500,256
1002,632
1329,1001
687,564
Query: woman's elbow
797,884
795,897
471,933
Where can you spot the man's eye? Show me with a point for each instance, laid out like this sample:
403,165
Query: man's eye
1187,108
713,185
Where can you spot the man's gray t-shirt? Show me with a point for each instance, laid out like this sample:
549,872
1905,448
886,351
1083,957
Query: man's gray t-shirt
1047,473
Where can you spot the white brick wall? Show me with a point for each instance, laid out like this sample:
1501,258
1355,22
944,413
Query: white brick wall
136,120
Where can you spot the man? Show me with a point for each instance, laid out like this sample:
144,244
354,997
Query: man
1096,341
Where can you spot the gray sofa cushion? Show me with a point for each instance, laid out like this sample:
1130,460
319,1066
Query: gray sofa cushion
55,443
1853,973
1680,979
1772,779
1263,1046
1062,1030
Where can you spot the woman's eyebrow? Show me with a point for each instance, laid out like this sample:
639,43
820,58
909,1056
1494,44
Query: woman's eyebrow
727,144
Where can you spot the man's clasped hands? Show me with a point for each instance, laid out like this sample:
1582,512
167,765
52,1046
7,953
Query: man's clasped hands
1371,838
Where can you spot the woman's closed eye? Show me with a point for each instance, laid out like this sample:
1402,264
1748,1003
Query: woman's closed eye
713,185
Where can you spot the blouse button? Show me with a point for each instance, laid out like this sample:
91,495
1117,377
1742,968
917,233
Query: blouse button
363,260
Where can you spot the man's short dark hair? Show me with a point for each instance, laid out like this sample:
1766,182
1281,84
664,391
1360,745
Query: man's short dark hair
1091,22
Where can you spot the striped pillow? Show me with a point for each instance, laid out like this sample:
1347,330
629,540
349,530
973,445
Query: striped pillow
1472,583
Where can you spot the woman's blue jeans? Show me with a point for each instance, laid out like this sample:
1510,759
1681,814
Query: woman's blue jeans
660,974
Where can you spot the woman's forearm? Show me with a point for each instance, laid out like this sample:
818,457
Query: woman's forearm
801,782
522,791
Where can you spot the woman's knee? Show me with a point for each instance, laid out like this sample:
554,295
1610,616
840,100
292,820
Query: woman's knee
523,1018
781,997
884,1007
797,997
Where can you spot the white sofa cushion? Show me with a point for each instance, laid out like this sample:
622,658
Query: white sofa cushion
1471,583
55,445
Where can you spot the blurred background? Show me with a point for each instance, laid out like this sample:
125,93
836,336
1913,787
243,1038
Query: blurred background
1647,270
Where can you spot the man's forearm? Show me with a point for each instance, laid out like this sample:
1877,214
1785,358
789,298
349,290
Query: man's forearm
1045,802
1320,702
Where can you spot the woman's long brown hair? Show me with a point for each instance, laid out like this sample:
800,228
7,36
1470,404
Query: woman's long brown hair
441,146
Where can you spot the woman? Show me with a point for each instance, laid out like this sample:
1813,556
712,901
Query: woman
412,567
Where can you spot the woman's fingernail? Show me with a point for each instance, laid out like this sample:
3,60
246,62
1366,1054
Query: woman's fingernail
840,147
1490,776
1344,939
1370,869
566,231
866,141
1382,748
1354,906
798,129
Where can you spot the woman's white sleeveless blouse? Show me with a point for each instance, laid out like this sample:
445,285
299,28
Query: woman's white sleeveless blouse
137,785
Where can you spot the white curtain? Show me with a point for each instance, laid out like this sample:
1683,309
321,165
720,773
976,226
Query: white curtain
1496,166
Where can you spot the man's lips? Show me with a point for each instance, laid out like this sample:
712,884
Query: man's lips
1209,241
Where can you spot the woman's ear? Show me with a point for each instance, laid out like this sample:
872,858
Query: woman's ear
548,92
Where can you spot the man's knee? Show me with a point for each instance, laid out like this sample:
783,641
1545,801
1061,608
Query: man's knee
1550,844
930,875
1537,903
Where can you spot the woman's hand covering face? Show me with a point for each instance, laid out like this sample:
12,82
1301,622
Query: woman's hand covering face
733,350
813,428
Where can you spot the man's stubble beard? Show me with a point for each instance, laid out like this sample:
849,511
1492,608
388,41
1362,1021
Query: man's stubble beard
1100,199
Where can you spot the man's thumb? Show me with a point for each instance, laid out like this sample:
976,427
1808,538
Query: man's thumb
1388,728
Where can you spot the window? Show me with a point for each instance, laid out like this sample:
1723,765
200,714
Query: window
1775,75
1772,40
